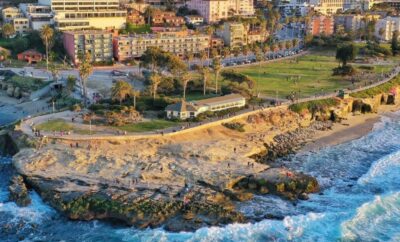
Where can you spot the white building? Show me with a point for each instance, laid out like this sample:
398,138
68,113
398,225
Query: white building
8,14
186,110
38,15
21,25
194,19
215,10
86,14
387,26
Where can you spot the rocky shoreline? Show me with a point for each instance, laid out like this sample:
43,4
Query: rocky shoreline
181,183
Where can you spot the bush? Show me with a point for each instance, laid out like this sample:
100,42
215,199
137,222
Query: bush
314,105
234,126
383,88
346,70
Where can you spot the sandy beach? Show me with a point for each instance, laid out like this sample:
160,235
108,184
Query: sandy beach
353,128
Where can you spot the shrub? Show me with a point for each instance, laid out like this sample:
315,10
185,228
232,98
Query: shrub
346,70
234,126
314,105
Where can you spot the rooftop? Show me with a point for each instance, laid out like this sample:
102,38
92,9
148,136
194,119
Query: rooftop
219,100
182,106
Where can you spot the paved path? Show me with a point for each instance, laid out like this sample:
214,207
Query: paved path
26,126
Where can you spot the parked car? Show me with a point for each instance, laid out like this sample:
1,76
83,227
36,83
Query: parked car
119,73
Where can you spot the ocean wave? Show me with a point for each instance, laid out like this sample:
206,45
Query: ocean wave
378,220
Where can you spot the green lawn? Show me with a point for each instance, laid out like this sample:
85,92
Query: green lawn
148,126
315,72
60,125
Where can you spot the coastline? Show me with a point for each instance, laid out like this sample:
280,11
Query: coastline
354,127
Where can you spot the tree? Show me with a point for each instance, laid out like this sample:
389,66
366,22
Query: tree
3,55
71,81
148,13
203,57
216,65
205,73
135,94
394,45
186,77
47,34
295,42
8,30
121,90
85,70
346,53
155,80
226,52
288,44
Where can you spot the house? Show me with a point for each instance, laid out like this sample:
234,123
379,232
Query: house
194,19
186,110
135,17
174,21
30,56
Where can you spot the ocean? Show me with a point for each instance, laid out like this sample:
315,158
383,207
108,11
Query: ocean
359,201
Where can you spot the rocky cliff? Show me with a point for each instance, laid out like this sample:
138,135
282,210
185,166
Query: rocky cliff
184,182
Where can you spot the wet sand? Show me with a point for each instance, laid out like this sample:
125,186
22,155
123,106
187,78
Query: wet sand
356,126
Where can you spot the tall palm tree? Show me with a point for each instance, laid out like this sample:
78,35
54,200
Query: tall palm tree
205,73
216,65
85,70
186,77
8,30
135,94
148,12
155,80
47,34
203,57
121,90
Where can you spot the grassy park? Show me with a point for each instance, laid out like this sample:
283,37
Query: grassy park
61,125
147,126
309,75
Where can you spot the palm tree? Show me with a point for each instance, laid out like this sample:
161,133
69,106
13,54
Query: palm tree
216,65
205,72
226,52
149,13
155,80
47,33
8,30
135,94
189,57
295,42
203,57
288,44
121,90
85,70
186,77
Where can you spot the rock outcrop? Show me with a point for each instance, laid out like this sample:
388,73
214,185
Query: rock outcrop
183,182
18,191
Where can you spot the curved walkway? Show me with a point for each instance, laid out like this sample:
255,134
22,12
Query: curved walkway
26,125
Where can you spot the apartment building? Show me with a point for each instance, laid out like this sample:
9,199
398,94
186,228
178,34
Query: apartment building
38,15
330,7
8,14
384,28
21,25
86,14
321,25
233,34
215,10
129,47
98,43
353,22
